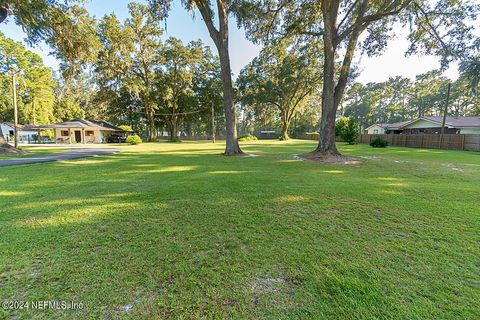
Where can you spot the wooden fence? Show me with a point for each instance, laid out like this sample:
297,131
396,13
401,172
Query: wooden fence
470,142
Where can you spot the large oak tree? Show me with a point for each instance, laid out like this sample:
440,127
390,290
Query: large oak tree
128,58
347,26
282,78
220,36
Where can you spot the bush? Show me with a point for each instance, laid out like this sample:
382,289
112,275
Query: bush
378,142
247,137
135,139
347,129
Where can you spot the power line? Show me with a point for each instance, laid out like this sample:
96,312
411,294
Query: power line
173,114
181,113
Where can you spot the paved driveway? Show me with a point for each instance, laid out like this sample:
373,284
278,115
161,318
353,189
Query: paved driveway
74,153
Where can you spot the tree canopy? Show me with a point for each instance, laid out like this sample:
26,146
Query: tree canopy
435,27
35,85
220,36
399,99
281,78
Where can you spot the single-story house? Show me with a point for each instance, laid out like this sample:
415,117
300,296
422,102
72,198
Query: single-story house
85,131
27,133
433,124
429,125
385,128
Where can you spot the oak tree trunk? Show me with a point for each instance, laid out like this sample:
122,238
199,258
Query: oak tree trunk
334,89
232,147
285,126
220,38
151,126
326,144
173,130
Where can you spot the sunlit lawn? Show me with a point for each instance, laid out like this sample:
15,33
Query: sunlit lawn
177,231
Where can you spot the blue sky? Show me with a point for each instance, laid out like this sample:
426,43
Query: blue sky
182,25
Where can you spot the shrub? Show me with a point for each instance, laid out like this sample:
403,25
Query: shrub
135,139
378,142
247,137
347,129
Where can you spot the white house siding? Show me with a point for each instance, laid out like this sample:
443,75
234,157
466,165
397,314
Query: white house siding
422,124
375,130
5,129
24,136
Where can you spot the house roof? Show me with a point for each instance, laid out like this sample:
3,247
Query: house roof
390,126
23,127
453,122
396,125
85,124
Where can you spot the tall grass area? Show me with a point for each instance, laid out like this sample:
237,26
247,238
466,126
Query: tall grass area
177,231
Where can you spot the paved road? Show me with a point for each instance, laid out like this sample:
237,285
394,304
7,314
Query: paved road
74,153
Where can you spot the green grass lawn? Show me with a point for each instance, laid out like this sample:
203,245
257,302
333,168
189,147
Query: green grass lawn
177,231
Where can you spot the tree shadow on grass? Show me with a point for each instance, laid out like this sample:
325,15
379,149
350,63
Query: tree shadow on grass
187,236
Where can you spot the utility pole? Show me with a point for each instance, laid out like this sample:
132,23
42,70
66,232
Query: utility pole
15,110
213,123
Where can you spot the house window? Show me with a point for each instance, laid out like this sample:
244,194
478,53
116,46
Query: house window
89,133
11,132
64,133
375,131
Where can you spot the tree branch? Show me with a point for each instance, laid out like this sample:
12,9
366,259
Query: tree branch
275,14
222,19
364,21
349,11
207,17
312,33
432,30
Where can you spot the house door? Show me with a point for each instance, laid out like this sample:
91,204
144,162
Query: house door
78,136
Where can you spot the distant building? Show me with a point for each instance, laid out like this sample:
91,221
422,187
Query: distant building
85,131
385,128
27,133
429,125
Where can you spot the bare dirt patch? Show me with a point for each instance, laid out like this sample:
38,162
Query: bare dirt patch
329,158
243,154
370,157
277,291
8,149
139,297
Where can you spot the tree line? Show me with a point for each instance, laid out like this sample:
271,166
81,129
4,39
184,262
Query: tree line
135,78
399,99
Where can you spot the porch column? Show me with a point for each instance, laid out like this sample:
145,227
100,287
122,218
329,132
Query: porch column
83,135
69,136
